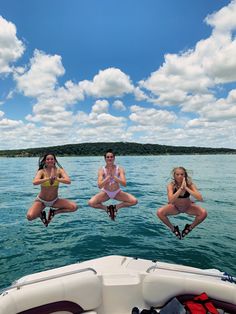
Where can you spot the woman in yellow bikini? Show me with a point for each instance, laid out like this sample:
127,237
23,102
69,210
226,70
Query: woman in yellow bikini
49,175
179,192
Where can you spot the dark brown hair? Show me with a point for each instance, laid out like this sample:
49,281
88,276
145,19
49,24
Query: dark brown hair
42,161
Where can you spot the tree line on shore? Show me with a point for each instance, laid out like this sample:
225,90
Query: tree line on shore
120,148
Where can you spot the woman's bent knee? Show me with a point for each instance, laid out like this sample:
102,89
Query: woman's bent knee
203,214
160,212
30,217
74,207
90,203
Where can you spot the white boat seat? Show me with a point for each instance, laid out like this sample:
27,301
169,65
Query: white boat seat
66,306
77,294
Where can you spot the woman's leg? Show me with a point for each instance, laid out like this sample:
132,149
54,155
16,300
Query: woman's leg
199,213
97,200
164,212
35,210
126,199
64,206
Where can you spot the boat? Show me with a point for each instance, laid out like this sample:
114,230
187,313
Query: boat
116,285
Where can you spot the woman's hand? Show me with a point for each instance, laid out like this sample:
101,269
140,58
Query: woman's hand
107,179
183,185
52,179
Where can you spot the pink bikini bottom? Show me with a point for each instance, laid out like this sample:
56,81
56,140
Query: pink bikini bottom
111,194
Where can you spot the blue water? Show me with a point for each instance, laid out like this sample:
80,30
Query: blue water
27,247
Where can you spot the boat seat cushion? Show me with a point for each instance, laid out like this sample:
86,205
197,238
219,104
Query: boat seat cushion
70,307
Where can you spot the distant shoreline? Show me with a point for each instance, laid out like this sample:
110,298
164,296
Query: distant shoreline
120,148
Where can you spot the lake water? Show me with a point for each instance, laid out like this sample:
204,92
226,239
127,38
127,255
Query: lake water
27,247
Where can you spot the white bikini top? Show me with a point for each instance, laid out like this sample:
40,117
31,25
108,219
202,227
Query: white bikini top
115,174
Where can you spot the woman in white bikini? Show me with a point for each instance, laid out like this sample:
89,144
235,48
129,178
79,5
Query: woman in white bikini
179,192
109,179
49,175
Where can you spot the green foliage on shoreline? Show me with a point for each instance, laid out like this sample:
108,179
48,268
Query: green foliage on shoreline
120,148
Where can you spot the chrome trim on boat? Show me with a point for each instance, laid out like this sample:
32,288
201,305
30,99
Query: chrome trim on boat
19,285
222,276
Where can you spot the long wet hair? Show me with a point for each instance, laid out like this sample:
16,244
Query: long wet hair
42,161
187,177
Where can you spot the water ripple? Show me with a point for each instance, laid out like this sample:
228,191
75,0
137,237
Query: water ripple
28,247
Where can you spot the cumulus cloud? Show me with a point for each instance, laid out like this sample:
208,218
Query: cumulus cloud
200,69
221,109
139,94
222,65
99,116
190,81
11,48
110,82
100,125
118,105
41,78
151,116
223,20
197,103
100,106
178,76
22,135
187,85
7,124
40,81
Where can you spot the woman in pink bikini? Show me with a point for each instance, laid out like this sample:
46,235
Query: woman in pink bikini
179,192
109,179
49,175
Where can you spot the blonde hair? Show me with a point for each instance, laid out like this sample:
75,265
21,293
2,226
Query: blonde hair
187,177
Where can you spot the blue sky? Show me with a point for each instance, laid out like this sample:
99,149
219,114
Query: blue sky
131,70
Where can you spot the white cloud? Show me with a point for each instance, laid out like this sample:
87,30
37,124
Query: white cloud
179,75
11,48
221,109
21,135
41,78
100,106
151,117
197,71
100,118
99,125
222,64
204,132
101,134
223,20
110,82
139,94
70,94
189,82
40,81
171,97
118,105
53,116
7,124
197,102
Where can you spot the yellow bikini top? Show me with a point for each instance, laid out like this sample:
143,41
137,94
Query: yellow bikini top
47,184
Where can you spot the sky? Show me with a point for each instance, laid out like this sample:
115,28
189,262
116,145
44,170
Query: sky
145,71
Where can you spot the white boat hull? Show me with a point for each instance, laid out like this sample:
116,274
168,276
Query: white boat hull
113,285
